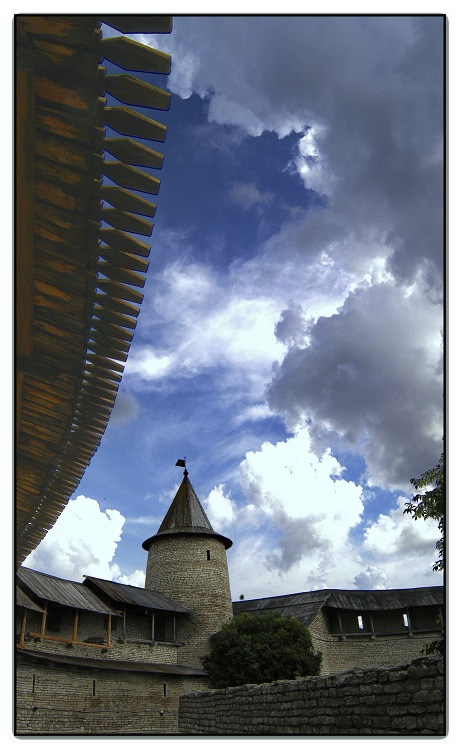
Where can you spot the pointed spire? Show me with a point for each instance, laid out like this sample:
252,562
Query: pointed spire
186,515
186,510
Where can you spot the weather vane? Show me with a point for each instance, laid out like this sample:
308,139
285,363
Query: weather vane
181,462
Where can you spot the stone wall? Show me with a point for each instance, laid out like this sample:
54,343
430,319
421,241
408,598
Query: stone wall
92,625
192,570
55,700
385,650
405,700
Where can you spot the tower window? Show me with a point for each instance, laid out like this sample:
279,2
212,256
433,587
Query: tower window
360,622
208,554
165,689
406,620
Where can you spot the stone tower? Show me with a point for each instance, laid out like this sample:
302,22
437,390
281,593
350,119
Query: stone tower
187,562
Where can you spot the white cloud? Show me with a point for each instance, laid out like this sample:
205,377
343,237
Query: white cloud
246,195
351,289
396,533
304,514
220,508
206,324
82,542
371,378
136,578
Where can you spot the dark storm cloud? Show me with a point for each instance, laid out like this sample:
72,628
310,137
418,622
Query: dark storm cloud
370,374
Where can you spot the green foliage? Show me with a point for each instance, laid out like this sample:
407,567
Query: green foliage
431,503
252,649
435,647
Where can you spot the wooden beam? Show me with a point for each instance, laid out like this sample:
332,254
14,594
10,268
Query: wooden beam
75,627
132,55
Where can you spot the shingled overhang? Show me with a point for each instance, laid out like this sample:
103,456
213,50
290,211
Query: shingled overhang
186,517
82,177
87,662
123,594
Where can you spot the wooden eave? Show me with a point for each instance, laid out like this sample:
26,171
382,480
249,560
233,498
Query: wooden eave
77,283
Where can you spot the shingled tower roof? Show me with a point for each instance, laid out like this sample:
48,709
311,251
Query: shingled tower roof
186,516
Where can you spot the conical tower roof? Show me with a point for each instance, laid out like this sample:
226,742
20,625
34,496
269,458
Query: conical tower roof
186,516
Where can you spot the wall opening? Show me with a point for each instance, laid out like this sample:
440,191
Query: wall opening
208,554
53,620
94,687
406,620
360,622
165,690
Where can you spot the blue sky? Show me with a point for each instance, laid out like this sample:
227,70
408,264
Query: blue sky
290,340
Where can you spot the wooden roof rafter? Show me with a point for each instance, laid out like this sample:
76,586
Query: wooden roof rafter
77,282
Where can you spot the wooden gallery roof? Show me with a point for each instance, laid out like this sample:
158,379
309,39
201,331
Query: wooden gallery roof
80,263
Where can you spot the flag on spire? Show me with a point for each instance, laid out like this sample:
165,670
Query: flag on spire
180,462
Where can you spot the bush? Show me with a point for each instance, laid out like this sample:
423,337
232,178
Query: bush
251,649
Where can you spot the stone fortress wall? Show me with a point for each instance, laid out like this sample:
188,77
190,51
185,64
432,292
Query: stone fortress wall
404,700
53,700
385,648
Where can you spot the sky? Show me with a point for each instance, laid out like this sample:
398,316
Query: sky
290,342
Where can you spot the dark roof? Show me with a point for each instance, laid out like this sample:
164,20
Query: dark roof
126,594
302,606
305,605
186,516
60,591
92,594
112,664
22,600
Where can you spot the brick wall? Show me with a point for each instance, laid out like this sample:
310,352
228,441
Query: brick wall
405,700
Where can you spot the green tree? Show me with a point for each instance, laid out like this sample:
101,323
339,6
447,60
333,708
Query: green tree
431,503
251,649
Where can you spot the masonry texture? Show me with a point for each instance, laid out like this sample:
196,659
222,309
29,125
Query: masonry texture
55,701
405,700
106,658
193,571
384,648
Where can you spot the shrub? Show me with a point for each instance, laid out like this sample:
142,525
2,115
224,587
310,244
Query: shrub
251,649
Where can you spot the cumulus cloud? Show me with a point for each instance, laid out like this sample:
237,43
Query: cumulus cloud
203,323
371,578
345,298
371,377
305,515
304,500
135,578
220,508
365,96
82,542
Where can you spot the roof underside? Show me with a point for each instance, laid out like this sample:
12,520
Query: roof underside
112,664
79,260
